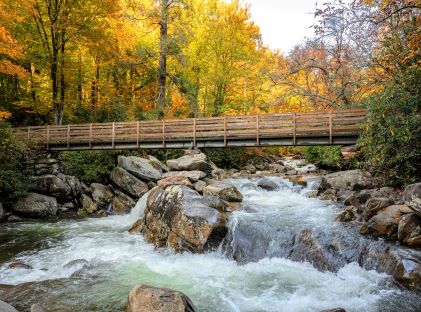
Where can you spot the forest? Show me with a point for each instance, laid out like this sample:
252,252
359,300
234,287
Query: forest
71,61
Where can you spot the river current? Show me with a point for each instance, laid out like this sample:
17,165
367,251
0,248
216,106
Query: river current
217,281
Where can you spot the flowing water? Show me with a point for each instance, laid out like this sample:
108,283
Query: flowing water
250,272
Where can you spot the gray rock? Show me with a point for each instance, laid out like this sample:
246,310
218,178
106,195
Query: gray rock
101,194
250,168
5,307
175,180
36,206
384,224
66,207
225,191
374,205
143,298
122,203
267,184
128,182
352,179
348,214
200,186
38,308
409,230
74,184
157,164
190,162
50,185
179,218
193,176
412,197
140,167
88,204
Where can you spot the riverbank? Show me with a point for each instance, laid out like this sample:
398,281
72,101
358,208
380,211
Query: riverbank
272,227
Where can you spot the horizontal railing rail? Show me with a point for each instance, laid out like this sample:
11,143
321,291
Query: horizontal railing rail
314,128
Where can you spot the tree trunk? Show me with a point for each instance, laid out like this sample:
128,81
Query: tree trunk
62,79
79,80
54,82
163,49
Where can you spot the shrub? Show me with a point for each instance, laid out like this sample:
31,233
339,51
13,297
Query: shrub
231,157
324,156
391,142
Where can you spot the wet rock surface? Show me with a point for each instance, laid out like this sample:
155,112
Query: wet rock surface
36,206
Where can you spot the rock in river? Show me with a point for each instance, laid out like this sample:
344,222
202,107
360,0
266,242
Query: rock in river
198,161
143,298
351,179
128,182
36,206
5,307
179,218
412,197
101,194
140,167
225,191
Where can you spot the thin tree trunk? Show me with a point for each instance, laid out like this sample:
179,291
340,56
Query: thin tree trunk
62,79
79,80
163,50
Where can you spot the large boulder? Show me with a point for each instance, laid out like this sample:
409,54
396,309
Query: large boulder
5,307
36,206
157,164
409,230
179,218
143,298
101,194
74,184
88,204
385,223
128,182
225,191
193,176
374,205
122,203
50,185
351,179
412,197
198,161
175,180
140,167
267,184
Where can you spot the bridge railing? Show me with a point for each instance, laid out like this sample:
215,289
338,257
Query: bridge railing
250,127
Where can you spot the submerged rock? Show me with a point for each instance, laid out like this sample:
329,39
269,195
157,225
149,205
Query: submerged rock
36,206
143,298
140,167
197,161
128,182
19,265
179,218
267,184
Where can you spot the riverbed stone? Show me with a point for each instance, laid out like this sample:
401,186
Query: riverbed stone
374,205
122,203
196,161
19,265
36,206
194,175
175,180
129,182
200,186
38,308
88,204
144,298
348,214
267,184
179,218
140,167
157,164
409,230
412,197
384,224
5,307
101,194
50,185
351,179
225,191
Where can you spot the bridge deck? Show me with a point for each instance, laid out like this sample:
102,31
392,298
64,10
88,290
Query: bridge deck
317,128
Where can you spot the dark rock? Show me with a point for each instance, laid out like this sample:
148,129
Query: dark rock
250,168
74,184
19,265
128,182
409,230
179,218
101,194
267,184
225,191
143,298
122,203
1,212
50,185
36,206
66,207
190,162
384,224
412,197
374,205
140,167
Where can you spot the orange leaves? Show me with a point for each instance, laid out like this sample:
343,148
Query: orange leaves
4,115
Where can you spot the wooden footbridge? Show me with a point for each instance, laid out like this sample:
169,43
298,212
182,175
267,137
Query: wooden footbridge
294,129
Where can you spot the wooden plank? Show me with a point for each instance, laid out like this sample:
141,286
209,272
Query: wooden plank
137,134
68,136
48,136
258,129
113,136
330,130
194,133
294,133
163,133
225,131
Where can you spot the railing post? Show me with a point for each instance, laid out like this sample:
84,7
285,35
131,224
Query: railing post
90,135
48,137
29,134
163,133
194,133
137,134
68,136
225,131
113,136
258,129
294,125
330,128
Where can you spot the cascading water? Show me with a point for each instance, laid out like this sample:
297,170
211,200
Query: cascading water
252,271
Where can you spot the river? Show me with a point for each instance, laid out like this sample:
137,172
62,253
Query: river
243,275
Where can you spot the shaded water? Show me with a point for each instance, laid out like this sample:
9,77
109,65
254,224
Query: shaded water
214,281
